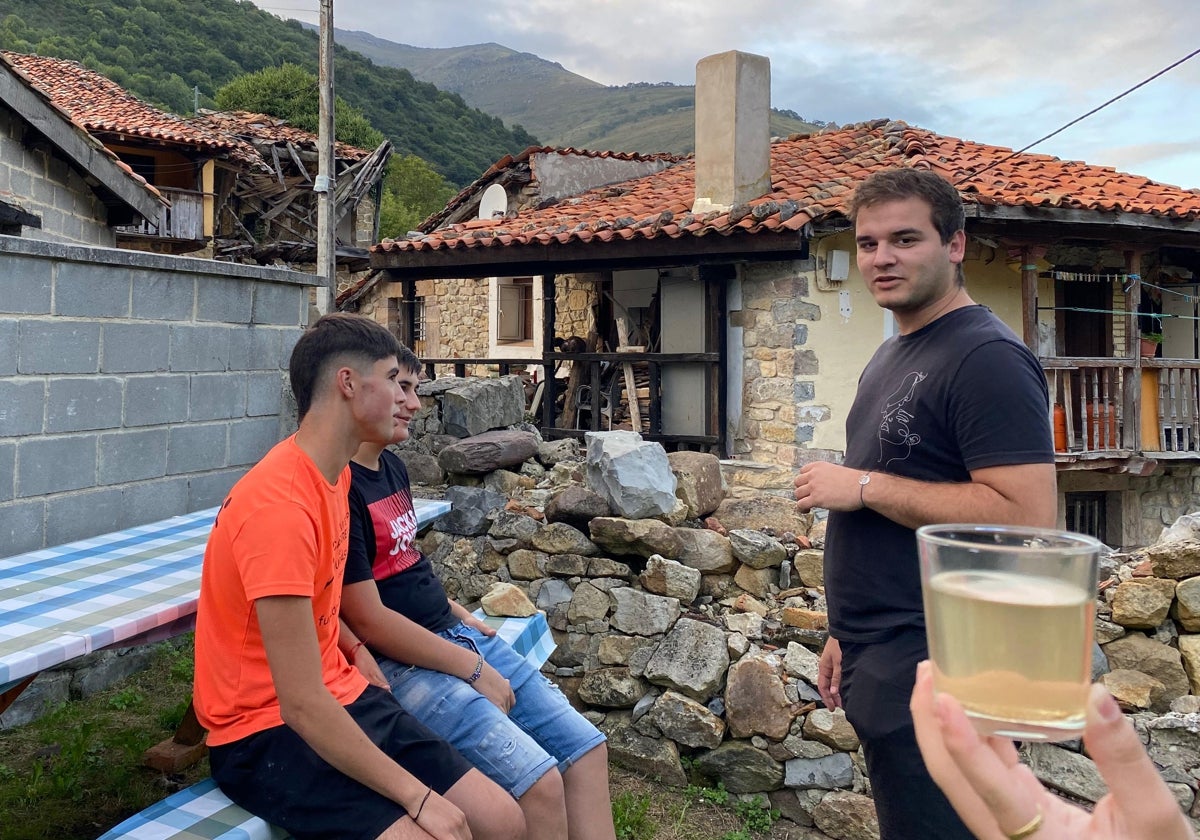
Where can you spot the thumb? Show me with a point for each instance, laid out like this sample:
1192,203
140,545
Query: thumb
1133,781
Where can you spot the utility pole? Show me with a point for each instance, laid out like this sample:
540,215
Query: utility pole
326,234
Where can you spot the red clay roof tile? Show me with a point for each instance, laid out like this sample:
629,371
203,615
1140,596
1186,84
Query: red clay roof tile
101,105
812,178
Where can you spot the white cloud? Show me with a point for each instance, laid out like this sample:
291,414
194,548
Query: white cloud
1003,73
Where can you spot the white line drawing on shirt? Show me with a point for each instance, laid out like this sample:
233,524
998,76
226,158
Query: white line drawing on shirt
894,428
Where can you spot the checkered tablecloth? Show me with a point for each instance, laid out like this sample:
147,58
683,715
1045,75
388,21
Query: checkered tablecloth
62,602
203,811
129,586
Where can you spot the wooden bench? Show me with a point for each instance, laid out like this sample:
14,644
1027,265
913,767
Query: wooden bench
203,811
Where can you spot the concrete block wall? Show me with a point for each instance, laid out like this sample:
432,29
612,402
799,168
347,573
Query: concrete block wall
134,386
46,186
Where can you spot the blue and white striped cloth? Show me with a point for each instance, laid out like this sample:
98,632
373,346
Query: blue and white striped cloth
127,587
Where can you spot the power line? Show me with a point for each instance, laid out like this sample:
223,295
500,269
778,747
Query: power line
1142,83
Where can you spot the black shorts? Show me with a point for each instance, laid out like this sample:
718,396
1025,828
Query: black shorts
877,683
275,775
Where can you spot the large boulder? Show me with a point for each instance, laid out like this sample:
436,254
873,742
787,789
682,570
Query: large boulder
632,474
692,659
1140,653
705,550
844,815
700,486
643,537
1142,603
666,577
576,506
686,722
489,451
470,509
1178,559
741,768
657,758
772,514
755,702
482,404
641,613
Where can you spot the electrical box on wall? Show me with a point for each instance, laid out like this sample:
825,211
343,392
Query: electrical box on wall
837,271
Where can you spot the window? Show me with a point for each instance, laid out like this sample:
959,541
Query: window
406,320
1086,514
514,316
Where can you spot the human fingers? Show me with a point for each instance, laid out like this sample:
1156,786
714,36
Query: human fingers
995,782
1139,794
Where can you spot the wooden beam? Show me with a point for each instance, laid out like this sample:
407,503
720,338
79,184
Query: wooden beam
573,257
1083,218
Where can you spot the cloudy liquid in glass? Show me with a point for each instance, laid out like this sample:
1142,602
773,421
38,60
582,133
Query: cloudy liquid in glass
1014,649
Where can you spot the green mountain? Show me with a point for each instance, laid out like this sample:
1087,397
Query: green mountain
560,107
177,53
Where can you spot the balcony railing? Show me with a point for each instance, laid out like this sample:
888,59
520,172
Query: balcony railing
183,219
1115,408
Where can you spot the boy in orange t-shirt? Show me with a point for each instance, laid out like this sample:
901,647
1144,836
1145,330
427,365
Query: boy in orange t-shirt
297,736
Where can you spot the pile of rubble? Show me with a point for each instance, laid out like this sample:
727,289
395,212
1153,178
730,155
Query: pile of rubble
689,620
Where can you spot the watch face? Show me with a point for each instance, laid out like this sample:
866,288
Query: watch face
865,478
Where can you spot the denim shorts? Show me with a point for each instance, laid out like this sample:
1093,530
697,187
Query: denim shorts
541,731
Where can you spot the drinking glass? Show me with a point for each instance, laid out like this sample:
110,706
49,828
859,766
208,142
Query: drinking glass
1009,616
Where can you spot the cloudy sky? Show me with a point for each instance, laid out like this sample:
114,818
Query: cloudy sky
997,72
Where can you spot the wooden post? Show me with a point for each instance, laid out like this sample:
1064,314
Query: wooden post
549,314
1029,300
635,415
326,164
1132,438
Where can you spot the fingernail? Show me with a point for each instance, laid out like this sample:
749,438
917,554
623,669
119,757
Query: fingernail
1105,705
940,710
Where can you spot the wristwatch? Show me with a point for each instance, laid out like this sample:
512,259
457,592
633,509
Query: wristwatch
863,481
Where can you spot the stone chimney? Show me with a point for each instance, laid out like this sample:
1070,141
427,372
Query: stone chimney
733,137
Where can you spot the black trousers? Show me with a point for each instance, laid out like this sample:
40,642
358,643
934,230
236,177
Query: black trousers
877,683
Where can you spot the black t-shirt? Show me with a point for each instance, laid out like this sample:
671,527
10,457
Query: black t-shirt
960,394
383,528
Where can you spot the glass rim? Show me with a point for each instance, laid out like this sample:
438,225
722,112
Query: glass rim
1067,541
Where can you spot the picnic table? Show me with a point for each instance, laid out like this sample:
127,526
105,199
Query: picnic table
125,588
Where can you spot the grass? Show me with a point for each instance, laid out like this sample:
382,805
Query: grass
77,771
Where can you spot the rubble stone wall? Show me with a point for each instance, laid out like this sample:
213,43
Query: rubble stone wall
692,637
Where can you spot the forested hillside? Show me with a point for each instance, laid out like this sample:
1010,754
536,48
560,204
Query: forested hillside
562,108
175,52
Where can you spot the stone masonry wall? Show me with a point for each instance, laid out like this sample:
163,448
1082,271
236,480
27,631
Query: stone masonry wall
779,373
1165,498
133,386
50,189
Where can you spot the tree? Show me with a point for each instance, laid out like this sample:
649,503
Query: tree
412,190
290,92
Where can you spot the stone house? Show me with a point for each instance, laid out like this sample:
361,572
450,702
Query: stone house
238,186
734,270
158,378
57,182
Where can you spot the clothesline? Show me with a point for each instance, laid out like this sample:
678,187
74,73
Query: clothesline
1115,312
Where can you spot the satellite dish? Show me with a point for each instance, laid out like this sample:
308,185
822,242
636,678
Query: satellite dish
494,203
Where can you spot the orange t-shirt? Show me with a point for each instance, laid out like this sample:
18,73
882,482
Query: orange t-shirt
283,530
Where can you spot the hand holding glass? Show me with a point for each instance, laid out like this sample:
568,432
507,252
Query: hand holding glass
1009,615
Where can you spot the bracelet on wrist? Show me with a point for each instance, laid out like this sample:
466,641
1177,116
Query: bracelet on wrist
354,650
421,807
478,670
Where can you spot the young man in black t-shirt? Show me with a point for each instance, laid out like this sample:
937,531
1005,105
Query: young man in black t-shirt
449,669
950,424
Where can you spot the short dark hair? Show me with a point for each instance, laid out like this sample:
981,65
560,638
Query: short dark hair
408,359
945,203
337,337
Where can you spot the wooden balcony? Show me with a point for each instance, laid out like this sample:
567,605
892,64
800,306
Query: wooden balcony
1110,410
183,220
